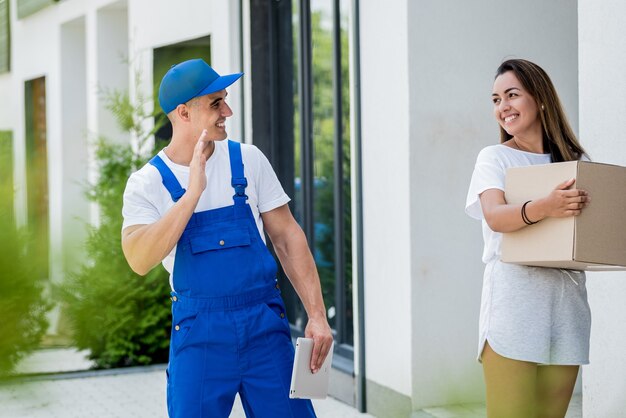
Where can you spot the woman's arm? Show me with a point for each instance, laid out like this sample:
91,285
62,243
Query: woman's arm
560,203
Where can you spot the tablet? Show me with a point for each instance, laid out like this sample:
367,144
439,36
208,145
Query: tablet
304,384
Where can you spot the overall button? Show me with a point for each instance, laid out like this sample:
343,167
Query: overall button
282,315
177,328
222,242
174,298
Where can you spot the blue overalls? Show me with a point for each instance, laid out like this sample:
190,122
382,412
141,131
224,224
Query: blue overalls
230,333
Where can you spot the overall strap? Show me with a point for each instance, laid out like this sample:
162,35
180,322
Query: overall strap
169,179
238,181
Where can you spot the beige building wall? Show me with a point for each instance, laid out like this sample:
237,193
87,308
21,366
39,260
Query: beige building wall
602,59
427,73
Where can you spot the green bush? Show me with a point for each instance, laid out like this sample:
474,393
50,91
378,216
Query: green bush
24,304
120,317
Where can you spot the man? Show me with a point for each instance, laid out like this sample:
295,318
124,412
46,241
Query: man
201,207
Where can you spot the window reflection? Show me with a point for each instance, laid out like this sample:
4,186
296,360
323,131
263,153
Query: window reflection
333,258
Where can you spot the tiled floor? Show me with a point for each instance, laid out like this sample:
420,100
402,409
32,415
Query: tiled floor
55,360
125,393
140,393
479,411
134,394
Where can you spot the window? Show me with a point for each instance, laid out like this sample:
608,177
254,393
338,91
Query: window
6,171
300,108
164,58
5,37
322,152
37,172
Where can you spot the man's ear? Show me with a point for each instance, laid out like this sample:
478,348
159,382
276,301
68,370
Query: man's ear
182,110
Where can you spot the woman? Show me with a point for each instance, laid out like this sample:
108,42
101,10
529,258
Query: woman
534,321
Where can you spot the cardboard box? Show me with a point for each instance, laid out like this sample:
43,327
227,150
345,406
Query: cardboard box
594,240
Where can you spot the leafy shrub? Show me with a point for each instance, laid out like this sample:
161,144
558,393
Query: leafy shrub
120,317
24,304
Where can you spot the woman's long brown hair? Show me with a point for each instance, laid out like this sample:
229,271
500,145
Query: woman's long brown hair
558,137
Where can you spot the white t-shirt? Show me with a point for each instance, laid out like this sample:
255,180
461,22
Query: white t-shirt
489,173
146,199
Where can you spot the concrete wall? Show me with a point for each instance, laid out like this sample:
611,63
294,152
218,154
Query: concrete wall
40,33
5,117
6,124
156,23
108,56
61,35
73,146
451,67
83,48
386,216
602,59
427,74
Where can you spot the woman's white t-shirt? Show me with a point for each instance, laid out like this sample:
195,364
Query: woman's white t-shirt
146,199
489,173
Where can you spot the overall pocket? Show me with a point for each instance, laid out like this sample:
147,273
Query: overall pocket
277,311
219,239
183,323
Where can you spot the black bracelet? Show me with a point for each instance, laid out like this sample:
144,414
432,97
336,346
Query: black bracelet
524,216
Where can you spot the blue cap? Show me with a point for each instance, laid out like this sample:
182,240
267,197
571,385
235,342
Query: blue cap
189,79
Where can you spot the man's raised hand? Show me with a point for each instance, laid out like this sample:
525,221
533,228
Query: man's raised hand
197,173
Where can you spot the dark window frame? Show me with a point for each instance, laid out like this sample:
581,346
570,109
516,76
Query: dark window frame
37,177
272,78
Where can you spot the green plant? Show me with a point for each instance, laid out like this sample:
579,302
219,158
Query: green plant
120,317
24,304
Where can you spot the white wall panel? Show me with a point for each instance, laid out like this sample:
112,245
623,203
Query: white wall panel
386,188
602,59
